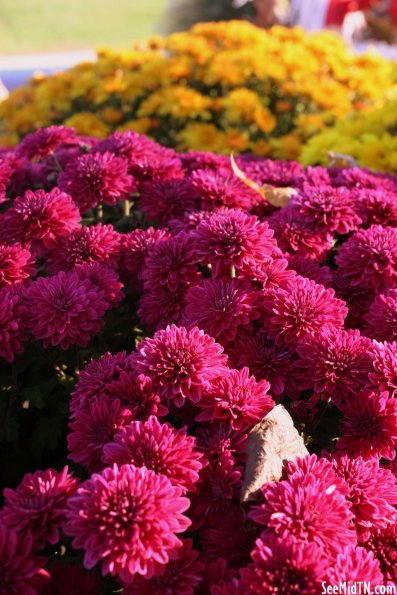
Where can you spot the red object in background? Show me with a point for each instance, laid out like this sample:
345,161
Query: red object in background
338,9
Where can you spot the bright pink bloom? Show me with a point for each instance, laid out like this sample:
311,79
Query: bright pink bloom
377,207
65,310
70,579
236,398
369,258
355,565
37,507
234,240
159,307
43,141
381,319
127,518
306,267
222,307
215,438
218,189
300,309
16,264
20,571
105,279
12,324
181,363
334,362
272,273
159,447
93,178
384,374
285,567
97,243
369,425
134,249
167,199
384,545
39,219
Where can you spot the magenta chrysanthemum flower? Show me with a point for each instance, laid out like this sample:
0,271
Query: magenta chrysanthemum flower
167,199
372,493
42,142
159,447
105,279
134,249
215,438
160,307
16,264
20,571
355,566
180,577
181,363
5,174
234,240
301,309
369,426
236,398
97,243
222,307
37,507
272,273
384,545
369,258
172,262
294,236
266,361
127,518
94,178
377,207
334,362
384,374
230,539
93,428
39,219
135,391
218,189
327,209
358,299
381,319
305,267
70,579
12,324
285,567
64,310
129,145
309,509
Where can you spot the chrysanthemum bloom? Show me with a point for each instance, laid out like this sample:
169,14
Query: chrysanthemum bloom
37,507
95,377
319,467
334,362
193,160
355,565
272,273
93,428
301,309
266,361
70,579
16,264
181,363
20,571
39,219
135,391
305,267
359,177
276,173
358,299
163,200
105,279
159,447
218,492
229,539
309,509
384,374
42,142
180,577
369,258
93,178
285,567
222,307
237,398
217,576
384,545
190,221
159,307
381,319
96,243
12,324
377,207
327,209
234,240
5,174
134,249
215,438
127,518
129,145
218,189
294,236
64,310
369,425
172,262
372,493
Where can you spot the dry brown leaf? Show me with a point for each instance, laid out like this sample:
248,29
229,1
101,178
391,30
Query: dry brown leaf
340,160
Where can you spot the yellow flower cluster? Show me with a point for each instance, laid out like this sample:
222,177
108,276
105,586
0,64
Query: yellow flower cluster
370,138
221,87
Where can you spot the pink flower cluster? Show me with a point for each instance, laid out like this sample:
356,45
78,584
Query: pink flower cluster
236,306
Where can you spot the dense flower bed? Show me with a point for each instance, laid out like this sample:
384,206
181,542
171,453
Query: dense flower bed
161,307
219,87
371,139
